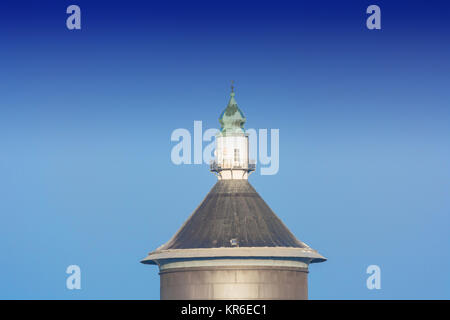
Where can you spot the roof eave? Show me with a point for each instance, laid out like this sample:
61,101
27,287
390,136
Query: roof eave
262,252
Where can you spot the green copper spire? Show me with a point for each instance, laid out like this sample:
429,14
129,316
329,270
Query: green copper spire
232,119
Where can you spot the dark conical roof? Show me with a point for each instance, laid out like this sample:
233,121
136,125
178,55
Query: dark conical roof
233,210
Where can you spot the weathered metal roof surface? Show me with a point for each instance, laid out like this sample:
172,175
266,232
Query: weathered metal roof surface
233,210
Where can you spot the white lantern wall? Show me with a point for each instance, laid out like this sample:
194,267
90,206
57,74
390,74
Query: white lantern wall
232,156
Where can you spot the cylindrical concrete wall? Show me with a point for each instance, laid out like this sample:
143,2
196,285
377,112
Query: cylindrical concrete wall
239,282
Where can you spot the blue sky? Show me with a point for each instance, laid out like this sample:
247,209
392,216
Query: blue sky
86,118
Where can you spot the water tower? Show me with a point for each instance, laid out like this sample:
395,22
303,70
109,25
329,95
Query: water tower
233,246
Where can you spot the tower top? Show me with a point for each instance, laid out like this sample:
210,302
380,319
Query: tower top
232,119
232,151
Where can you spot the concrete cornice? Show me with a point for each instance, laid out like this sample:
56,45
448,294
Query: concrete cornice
244,252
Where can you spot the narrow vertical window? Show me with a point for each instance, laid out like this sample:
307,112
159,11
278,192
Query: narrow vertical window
236,155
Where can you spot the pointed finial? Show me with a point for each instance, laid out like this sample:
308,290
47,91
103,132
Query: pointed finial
232,85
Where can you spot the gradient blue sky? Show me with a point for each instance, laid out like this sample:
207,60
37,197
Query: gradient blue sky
86,118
